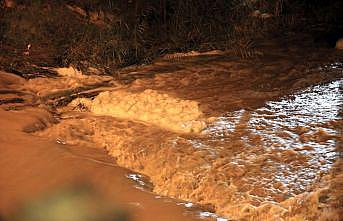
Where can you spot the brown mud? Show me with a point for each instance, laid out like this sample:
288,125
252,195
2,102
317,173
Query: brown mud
269,154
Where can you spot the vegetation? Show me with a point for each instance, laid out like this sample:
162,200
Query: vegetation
111,34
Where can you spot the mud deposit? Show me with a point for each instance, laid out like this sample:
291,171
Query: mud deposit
267,154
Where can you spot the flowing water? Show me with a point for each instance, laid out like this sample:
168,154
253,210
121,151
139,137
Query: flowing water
269,150
293,139
246,160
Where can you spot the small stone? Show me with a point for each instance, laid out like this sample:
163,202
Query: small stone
339,44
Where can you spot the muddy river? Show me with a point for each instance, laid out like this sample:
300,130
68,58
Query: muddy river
266,147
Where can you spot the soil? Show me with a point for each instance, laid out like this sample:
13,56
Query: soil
269,153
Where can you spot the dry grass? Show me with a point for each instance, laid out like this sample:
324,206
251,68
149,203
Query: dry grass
111,34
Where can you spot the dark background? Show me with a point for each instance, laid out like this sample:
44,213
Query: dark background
113,34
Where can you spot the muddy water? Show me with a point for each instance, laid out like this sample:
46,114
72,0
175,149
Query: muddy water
34,169
247,163
292,141
268,156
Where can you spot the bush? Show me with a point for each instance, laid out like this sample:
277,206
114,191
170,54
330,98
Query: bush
113,34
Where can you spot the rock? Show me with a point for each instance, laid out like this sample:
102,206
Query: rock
9,3
339,44
77,10
68,72
77,203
